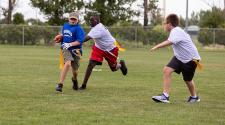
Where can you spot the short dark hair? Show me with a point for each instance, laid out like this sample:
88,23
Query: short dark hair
173,19
96,17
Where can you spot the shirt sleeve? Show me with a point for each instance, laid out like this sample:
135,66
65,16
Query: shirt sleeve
95,33
175,37
62,28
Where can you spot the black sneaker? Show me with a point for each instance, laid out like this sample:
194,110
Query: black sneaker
59,87
123,67
75,84
83,87
193,100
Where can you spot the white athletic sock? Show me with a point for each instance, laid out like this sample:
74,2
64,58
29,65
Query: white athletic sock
118,66
166,94
194,96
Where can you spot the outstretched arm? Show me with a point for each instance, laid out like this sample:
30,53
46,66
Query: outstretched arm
75,43
87,38
68,45
161,45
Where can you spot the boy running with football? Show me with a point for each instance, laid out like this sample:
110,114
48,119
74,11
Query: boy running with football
71,38
185,59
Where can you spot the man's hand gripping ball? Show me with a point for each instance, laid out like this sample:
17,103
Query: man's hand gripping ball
58,38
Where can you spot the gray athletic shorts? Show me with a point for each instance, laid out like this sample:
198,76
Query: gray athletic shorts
75,60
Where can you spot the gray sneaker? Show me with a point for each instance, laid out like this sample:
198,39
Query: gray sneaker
161,98
59,87
193,100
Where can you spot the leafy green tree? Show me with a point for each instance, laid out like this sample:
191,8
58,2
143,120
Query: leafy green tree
182,21
18,18
194,20
214,18
156,17
111,11
32,21
7,12
55,9
151,7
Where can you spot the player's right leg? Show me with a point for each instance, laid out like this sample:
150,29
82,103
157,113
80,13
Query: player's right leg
67,64
111,57
173,65
167,72
123,67
63,73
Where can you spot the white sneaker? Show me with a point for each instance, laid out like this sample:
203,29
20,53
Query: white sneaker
161,98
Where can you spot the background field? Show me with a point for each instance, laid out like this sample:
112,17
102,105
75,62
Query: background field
28,76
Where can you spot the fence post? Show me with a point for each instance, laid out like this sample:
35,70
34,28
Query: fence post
136,36
214,37
23,35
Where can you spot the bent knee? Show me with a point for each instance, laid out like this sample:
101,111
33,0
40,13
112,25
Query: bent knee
167,70
68,63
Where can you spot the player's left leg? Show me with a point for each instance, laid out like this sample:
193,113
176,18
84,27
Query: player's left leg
191,87
74,79
188,72
75,65
89,69
95,59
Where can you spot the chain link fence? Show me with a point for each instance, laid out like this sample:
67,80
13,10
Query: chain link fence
127,36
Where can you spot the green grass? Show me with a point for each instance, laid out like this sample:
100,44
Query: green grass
28,76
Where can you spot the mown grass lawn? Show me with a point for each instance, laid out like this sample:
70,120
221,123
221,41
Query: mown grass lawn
28,76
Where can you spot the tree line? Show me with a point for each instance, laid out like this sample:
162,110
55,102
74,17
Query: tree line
120,13
112,12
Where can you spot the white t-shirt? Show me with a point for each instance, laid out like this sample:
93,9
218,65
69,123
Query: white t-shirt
102,37
183,47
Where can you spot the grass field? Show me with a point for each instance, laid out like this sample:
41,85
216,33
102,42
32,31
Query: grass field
28,76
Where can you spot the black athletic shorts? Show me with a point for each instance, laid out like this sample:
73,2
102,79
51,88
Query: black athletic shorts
187,69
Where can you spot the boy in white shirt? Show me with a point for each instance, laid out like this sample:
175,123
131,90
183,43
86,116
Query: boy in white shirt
185,55
103,48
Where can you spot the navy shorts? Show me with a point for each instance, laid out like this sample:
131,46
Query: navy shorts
187,69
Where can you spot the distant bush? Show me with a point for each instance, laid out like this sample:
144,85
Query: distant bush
43,35
147,35
158,35
30,35
211,36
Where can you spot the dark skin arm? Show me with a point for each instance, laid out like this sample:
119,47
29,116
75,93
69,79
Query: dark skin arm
87,38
